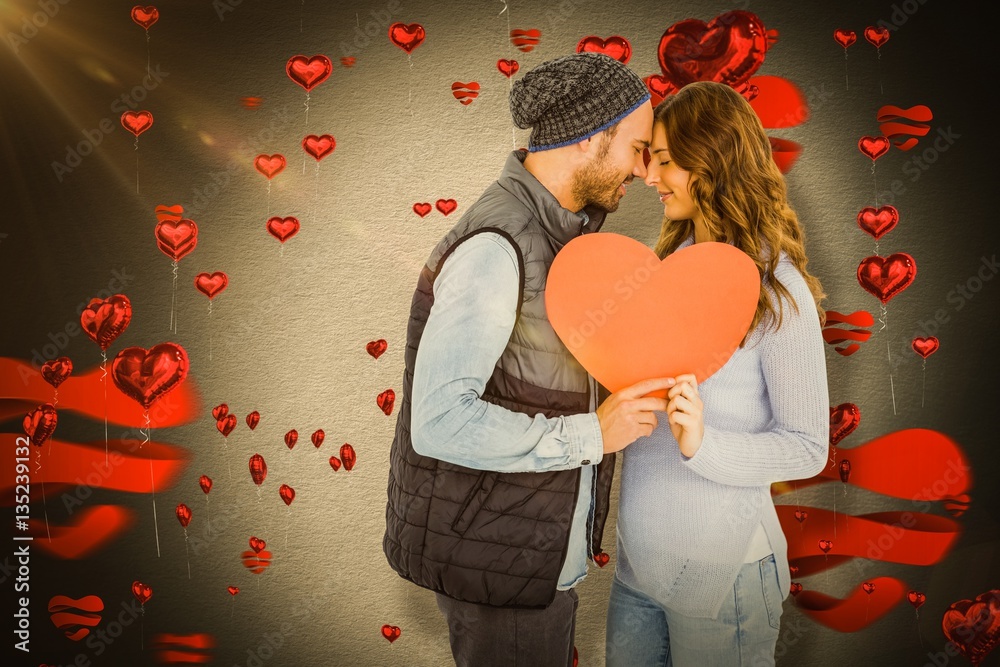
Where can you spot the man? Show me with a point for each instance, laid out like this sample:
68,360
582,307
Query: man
500,470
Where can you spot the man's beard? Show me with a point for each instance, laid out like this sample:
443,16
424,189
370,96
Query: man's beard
597,184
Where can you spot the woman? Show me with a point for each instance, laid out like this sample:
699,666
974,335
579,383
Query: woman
702,562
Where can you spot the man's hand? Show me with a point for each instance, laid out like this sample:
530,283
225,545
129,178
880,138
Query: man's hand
628,414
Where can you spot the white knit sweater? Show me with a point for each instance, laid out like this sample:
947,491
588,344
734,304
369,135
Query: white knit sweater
684,524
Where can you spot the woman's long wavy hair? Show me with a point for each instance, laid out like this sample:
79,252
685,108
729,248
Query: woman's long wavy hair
713,133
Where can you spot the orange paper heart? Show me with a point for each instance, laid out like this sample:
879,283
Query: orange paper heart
626,316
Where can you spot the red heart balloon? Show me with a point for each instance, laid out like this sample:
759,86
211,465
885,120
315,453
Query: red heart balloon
801,515
925,347
211,284
253,419
793,569
659,87
269,165
525,40
601,559
145,16
385,401
873,147
176,238
446,206
407,37
309,72
233,590
291,438
973,626
226,425
287,493
422,208
877,35
258,469
319,147
376,347
317,437
145,375
825,546
183,513
845,37
508,67
728,49
103,320
40,423
885,277
795,588
878,222
465,93
843,420
141,591
220,411
55,371
283,228
257,544
626,316
205,482
391,632
868,587
137,122
916,598
615,46
348,456
335,463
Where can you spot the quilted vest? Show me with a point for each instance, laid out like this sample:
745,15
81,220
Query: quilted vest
484,536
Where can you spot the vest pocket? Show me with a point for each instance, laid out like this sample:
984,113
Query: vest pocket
474,500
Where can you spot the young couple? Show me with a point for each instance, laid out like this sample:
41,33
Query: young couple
503,456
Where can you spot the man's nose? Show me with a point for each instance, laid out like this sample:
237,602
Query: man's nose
640,167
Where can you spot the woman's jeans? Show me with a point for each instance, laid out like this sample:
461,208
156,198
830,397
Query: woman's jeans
641,633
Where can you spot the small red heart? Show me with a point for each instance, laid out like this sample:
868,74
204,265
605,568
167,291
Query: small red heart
348,456
141,591
795,588
211,284
257,544
233,590
446,206
391,632
885,277
220,411
407,37
659,86
925,347
376,347
877,35
422,208
386,400
317,437
845,37
270,165
348,61
205,482
465,93
878,222
801,515
508,67
291,438
793,570
916,598
55,371
283,228
868,587
287,493
843,420
226,425
145,16
601,559
137,122
825,545
183,513
253,419
319,147
308,72
615,46
145,375
40,423
176,238
335,463
525,40
873,147
103,320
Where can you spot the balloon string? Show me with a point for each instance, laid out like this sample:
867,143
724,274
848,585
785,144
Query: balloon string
409,85
892,386
834,514
923,381
208,513
288,520
186,556
173,301
55,398
269,198
210,336
45,509
147,53
510,81
152,483
142,615
307,109
847,83
104,377
303,9
878,50
137,164
875,182
225,443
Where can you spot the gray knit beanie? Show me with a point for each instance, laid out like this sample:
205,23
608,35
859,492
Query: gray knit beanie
571,98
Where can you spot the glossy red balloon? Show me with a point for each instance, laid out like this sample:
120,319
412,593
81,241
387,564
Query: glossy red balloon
146,375
843,420
233,590
973,626
145,16
878,222
845,37
386,400
287,493
205,482
615,46
40,423
873,147
176,238
508,67
220,411
257,544
916,598
728,49
141,591
211,284
55,371
253,419
183,513
348,456
407,37
270,165
319,146
226,425
925,347
335,463
283,228
137,122
309,72
885,277
825,545
317,437
801,515
291,438
376,348
258,469
877,35
845,471
103,320
868,587
391,632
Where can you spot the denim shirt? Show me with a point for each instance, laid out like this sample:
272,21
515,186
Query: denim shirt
469,326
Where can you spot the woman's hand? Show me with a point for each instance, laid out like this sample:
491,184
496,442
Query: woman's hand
684,412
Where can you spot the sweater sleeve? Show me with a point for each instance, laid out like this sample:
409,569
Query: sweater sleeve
796,443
